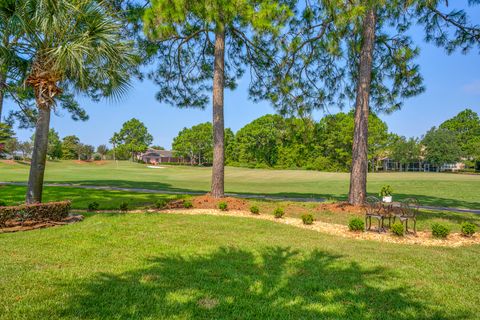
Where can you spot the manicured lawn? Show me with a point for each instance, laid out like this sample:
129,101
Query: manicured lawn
107,199
152,266
436,189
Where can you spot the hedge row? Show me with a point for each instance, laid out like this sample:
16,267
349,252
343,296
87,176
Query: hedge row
50,211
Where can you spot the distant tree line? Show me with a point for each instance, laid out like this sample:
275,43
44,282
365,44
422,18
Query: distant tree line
273,141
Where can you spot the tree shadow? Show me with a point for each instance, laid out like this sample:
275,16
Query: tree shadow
275,283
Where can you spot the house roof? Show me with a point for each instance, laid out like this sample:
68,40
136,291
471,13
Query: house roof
158,153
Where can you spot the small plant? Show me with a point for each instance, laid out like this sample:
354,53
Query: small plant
160,204
440,231
254,210
187,204
124,206
223,206
356,224
398,229
386,191
468,229
93,206
278,213
3,203
308,219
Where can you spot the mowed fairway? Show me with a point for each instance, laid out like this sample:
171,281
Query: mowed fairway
435,189
160,266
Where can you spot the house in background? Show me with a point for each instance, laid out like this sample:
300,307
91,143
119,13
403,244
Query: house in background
154,156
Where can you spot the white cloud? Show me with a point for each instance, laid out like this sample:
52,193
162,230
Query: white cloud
473,87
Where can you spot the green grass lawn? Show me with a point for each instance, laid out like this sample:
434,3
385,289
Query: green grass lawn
111,200
107,199
152,266
436,189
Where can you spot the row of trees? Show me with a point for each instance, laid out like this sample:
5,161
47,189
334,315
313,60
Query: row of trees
68,148
301,56
275,141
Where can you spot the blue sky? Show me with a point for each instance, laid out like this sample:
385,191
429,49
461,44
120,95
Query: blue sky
452,84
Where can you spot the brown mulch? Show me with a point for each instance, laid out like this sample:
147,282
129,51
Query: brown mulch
208,202
422,238
16,226
340,207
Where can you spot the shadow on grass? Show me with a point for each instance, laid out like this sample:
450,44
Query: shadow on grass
159,187
276,283
148,185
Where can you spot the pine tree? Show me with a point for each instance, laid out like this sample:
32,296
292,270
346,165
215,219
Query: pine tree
190,59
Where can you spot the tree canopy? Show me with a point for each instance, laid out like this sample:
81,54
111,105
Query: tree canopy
133,137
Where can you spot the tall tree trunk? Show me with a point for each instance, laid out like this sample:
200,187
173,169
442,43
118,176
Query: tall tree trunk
358,175
39,157
218,169
2,93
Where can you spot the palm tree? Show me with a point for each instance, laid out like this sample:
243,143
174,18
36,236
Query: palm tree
73,46
12,65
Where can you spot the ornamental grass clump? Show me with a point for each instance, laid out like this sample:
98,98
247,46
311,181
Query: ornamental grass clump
123,206
308,219
440,231
254,210
93,206
356,224
278,213
223,206
160,204
468,229
187,204
398,229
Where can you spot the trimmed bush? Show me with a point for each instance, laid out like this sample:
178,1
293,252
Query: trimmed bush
468,229
187,204
356,224
223,206
49,211
160,204
93,206
278,213
308,219
123,206
398,229
440,230
254,210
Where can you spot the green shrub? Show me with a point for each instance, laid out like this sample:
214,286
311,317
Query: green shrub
187,204
308,218
468,229
124,206
254,210
3,203
160,204
386,191
278,213
398,229
97,157
440,231
223,206
93,206
356,224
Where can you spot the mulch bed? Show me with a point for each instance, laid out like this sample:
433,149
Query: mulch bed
422,238
16,226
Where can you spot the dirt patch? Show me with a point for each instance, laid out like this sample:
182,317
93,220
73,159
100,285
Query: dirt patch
10,162
340,207
421,238
208,202
16,226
